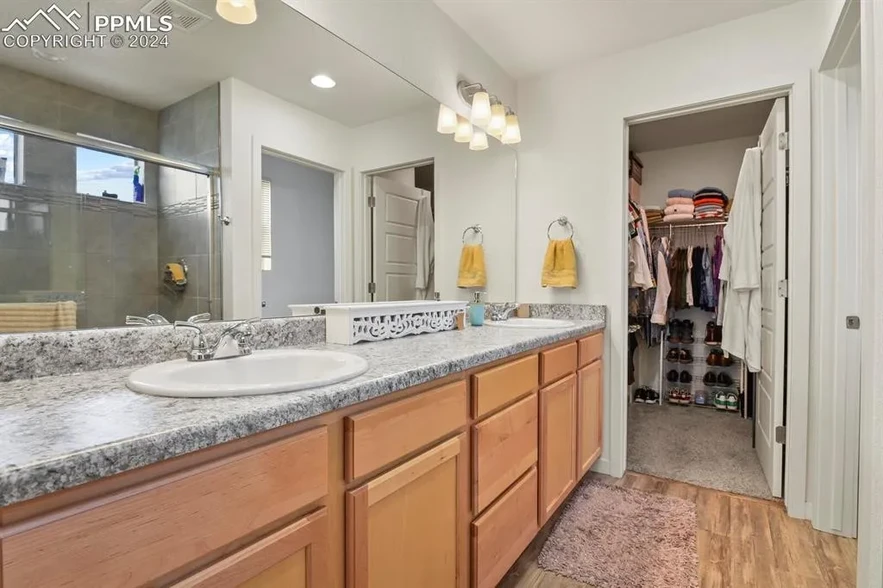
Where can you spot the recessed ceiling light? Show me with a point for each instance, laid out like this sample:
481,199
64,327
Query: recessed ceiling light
48,56
323,81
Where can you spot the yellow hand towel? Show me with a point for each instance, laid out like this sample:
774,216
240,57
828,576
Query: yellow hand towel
472,272
559,265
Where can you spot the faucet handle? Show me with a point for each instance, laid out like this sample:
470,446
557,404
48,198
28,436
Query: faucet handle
198,346
202,317
137,320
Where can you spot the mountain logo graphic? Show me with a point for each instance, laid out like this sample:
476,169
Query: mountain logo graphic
46,15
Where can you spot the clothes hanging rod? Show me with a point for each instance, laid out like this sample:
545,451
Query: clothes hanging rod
687,225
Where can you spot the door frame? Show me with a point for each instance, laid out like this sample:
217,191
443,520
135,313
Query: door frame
364,225
798,308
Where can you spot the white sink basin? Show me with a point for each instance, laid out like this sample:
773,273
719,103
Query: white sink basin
531,323
262,372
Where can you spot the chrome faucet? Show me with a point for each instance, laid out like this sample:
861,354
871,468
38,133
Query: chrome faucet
503,313
239,336
158,319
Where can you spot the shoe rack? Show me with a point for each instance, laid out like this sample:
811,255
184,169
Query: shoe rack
698,367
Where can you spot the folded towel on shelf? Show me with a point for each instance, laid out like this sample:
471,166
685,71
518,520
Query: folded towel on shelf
707,208
24,317
679,209
559,265
710,191
681,193
709,200
677,217
711,215
672,201
472,272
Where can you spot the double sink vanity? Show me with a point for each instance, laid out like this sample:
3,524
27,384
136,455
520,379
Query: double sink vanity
428,461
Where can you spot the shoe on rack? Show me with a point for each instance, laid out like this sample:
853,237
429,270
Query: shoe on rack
724,379
720,401
686,398
709,333
686,377
672,376
718,334
687,332
640,395
673,355
685,356
713,357
732,402
673,396
674,331
651,396
725,360
710,379
699,398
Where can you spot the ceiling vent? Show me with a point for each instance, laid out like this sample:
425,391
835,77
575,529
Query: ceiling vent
184,18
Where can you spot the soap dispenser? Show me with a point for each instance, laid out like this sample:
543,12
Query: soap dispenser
476,309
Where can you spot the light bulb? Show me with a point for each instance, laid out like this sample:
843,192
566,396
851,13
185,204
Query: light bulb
512,134
237,11
463,134
498,121
447,120
323,81
481,109
479,141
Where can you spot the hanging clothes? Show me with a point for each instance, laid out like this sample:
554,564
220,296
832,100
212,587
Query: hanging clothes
659,315
740,271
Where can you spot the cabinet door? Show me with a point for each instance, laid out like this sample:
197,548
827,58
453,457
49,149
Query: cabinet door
409,527
590,415
294,557
557,463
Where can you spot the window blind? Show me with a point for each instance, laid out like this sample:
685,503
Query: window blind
266,226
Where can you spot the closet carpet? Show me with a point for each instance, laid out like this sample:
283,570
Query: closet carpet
699,446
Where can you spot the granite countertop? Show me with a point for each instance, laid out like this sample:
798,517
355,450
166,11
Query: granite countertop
61,431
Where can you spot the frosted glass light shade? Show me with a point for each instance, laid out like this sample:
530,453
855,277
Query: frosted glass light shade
498,120
237,11
512,134
479,141
447,120
463,134
481,109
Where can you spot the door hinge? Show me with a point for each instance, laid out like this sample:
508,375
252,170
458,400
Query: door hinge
372,201
780,434
372,288
853,322
783,141
783,288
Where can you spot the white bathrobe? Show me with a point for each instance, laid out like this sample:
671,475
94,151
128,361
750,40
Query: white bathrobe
425,249
741,266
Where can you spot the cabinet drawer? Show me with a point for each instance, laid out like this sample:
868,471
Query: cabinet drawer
498,386
505,448
379,437
557,363
590,349
139,535
504,531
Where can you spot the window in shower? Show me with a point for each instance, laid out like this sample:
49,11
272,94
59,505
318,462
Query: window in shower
109,176
10,157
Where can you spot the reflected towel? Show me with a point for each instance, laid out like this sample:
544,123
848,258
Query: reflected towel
559,265
472,271
24,317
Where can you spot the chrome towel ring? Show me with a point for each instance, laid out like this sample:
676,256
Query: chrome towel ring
562,221
475,229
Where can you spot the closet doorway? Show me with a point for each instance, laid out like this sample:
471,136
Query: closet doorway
707,362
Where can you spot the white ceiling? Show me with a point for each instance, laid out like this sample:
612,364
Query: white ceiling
527,37
278,54
703,127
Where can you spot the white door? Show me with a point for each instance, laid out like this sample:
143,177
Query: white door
769,407
395,239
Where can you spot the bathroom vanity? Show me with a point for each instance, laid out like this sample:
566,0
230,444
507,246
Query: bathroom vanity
435,470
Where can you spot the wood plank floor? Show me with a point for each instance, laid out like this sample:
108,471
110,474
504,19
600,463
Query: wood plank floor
742,541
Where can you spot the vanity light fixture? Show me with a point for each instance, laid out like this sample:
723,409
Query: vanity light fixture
512,134
481,108
463,134
479,141
241,12
323,81
497,124
447,120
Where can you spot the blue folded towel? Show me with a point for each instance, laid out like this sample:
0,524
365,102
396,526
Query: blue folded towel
681,193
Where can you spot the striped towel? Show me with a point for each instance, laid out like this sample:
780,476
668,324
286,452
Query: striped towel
24,317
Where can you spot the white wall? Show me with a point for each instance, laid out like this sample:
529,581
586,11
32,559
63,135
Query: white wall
693,167
470,187
572,158
415,39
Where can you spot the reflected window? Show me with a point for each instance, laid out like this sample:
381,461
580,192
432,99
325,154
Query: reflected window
266,226
109,176
11,171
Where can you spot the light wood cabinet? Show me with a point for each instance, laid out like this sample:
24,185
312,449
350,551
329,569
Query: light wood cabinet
590,415
591,348
497,387
294,557
557,363
407,526
557,459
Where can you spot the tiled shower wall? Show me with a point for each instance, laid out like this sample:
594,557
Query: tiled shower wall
189,130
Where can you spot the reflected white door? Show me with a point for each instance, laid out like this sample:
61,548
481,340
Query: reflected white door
395,239
769,410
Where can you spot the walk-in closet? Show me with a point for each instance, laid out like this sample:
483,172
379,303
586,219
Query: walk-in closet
704,319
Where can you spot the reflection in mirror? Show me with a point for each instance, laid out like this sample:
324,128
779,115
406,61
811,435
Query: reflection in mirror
355,195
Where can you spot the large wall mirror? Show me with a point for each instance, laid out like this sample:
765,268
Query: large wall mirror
212,175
